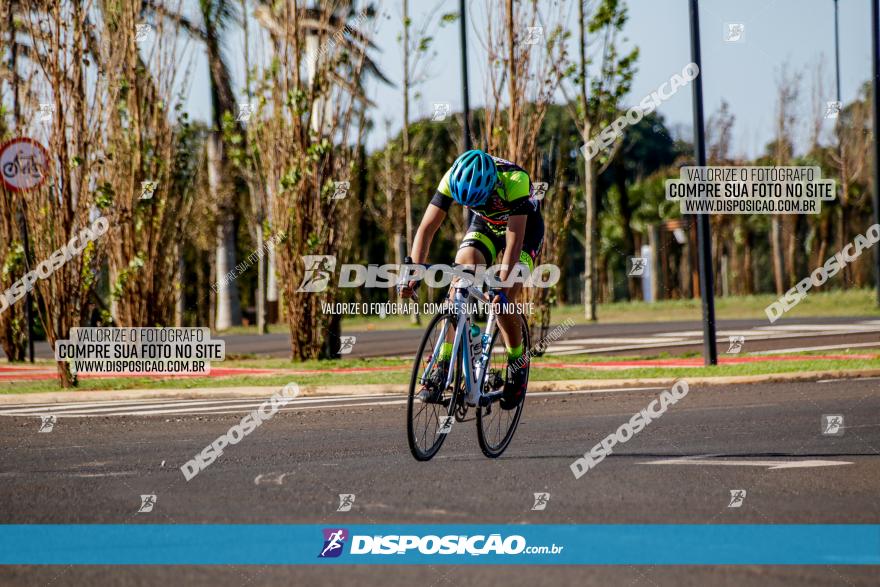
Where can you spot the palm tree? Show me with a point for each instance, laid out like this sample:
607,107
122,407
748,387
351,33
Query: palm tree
224,178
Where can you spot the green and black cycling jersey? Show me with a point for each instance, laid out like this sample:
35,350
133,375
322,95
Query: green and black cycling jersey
512,196
488,225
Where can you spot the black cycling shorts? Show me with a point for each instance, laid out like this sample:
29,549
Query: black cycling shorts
491,241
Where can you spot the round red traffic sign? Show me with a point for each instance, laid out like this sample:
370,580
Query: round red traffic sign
24,164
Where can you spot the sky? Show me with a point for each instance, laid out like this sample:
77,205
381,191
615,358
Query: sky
796,33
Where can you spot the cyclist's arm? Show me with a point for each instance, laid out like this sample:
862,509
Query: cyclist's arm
516,232
431,221
517,186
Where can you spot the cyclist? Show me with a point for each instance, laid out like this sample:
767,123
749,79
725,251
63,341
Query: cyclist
505,220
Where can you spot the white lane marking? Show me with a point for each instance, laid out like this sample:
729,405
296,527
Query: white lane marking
717,408
752,338
657,345
621,340
585,391
90,475
210,410
848,379
59,409
558,349
206,410
820,327
270,478
819,348
745,333
169,401
196,412
741,462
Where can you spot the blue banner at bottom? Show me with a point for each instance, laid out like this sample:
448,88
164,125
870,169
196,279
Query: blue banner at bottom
271,544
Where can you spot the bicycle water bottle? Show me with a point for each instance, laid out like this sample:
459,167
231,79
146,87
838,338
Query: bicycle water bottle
476,342
486,340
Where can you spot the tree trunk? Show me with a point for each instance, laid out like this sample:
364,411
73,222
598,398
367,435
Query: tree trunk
633,288
179,288
407,169
272,305
261,281
776,252
228,305
791,250
512,76
590,200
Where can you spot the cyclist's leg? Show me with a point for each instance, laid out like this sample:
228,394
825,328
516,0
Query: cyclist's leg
509,323
479,245
475,248
473,251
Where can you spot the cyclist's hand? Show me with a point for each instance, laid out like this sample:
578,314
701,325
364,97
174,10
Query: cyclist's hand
407,290
501,298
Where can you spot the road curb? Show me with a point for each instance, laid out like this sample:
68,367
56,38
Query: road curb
399,389
572,385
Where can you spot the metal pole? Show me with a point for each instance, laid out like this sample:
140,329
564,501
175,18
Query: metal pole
465,98
875,63
837,51
704,236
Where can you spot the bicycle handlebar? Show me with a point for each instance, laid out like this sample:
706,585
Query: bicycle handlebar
472,291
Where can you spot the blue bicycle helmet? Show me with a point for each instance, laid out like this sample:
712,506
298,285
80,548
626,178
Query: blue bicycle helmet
472,178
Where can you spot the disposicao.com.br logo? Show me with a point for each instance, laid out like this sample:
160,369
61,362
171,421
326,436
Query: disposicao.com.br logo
319,271
430,544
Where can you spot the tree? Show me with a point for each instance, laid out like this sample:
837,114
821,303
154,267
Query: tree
645,147
148,169
416,57
13,320
61,43
788,93
230,186
308,135
526,56
596,109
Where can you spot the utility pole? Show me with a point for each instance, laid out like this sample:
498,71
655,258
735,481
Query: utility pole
704,236
837,51
875,64
465,98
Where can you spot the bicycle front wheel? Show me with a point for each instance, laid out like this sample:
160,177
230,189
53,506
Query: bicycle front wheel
495,426
429,422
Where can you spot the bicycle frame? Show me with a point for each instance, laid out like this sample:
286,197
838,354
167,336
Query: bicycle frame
473,374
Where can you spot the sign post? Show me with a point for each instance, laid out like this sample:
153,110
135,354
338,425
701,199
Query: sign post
23,165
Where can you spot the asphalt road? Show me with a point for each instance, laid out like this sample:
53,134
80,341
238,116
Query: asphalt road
642,339
620,339
93,469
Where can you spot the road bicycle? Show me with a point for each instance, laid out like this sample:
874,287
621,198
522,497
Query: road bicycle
475,376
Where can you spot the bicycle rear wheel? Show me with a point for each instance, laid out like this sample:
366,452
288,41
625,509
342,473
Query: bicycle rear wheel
425,421
495,427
